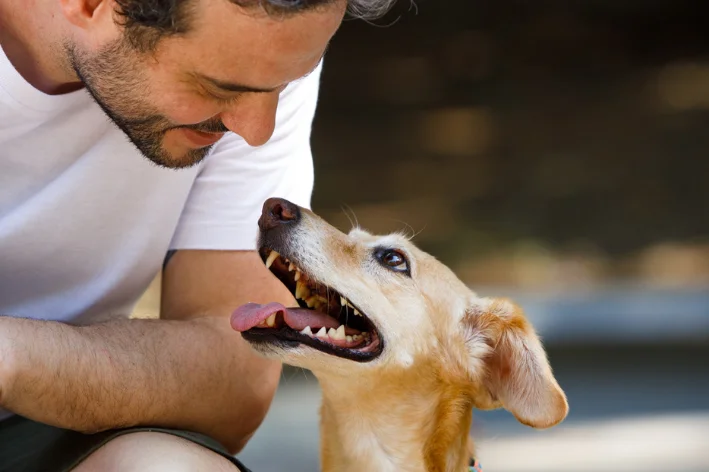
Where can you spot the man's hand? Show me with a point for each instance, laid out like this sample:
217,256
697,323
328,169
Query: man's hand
214,283
187,370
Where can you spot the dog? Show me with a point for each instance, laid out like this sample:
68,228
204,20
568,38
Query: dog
402,349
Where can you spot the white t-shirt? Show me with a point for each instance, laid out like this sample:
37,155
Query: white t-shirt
86,221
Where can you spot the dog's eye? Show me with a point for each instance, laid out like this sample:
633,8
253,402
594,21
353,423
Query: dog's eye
393,259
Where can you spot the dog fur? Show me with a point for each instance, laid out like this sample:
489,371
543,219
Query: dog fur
446,351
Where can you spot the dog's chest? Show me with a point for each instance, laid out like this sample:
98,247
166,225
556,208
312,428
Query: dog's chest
365,443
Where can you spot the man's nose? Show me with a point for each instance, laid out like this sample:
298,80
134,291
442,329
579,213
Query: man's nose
253,117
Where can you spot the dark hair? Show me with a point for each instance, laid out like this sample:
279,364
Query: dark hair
148,21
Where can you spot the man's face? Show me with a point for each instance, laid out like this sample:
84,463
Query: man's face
225,74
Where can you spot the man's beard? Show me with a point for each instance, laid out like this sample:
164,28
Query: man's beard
118,85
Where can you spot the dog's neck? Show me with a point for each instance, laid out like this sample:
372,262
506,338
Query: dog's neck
411,421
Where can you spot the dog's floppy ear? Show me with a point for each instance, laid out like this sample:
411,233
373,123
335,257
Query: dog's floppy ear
515,371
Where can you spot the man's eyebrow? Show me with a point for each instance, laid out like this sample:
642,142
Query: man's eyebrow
234,87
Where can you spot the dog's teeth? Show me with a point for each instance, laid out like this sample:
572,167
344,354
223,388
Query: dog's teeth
332,333
307,331
271,257
291,267
322,333
356,337
356,312
301,290
310,301
340,333
343,300
271,321
297,275
349,339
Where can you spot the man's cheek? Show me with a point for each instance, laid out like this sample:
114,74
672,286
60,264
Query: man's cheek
186,110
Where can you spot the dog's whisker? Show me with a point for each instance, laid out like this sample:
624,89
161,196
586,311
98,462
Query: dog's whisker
327,292
413,231
354,224
420,231
302,371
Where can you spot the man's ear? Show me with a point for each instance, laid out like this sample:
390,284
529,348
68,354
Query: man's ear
516,374
90,14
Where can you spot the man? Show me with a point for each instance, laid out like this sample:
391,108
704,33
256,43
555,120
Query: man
210,105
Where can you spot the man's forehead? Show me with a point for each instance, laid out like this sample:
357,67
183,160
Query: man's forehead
235,51
230,85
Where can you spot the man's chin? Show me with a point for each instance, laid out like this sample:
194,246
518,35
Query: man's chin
179,149
173,158
191,159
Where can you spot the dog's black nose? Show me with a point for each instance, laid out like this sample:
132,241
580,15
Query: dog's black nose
276,212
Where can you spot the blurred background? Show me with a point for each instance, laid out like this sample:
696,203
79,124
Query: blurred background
555,152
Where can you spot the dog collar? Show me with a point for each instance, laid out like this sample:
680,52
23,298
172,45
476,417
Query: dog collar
475,466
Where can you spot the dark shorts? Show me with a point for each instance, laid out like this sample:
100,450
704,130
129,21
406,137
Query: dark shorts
27,446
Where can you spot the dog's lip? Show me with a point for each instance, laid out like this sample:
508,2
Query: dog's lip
290,338
369,352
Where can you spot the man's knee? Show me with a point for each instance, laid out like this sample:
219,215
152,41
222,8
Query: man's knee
154,452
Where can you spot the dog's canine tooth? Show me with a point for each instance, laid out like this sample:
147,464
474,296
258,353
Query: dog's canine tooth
297,275
291,267
271,321
340,333
301,290
322,333
271,257
307,331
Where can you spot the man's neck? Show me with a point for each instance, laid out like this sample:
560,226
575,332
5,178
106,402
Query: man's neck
29,36
405,422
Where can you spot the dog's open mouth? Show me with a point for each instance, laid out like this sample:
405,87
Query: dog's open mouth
325,320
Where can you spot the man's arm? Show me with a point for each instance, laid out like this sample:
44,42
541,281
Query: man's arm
187,370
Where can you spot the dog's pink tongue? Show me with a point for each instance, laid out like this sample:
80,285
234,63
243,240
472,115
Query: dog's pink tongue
247,316
252,314
299,318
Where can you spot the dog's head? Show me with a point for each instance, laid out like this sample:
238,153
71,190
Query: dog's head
377,304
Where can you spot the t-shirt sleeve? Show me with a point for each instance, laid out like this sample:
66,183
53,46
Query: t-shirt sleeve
225,202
